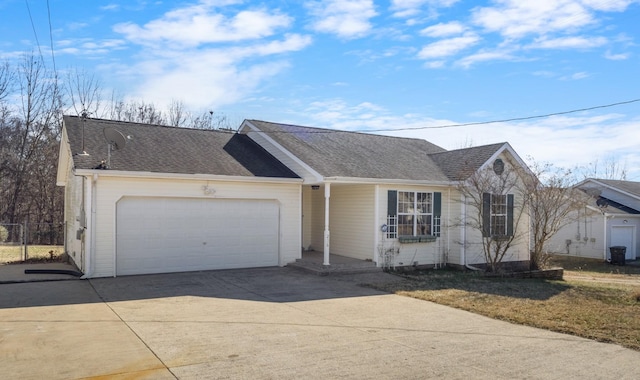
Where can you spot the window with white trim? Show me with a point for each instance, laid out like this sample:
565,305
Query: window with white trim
498,215
415,213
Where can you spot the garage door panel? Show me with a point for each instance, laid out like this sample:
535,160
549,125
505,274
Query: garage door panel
157,235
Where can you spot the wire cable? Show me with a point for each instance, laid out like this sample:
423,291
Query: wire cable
34,29
508,120
53,57
473,123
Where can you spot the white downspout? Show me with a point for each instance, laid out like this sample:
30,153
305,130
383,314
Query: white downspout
376,216
91,222
604,240
445,259
327,195
464,230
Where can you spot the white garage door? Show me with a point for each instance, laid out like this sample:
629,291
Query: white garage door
162,235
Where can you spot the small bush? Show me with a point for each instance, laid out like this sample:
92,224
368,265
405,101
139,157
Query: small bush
4,234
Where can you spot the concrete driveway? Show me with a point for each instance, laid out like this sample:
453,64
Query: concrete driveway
273,323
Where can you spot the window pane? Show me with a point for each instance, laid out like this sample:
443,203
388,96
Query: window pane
423,225
424,203
498,225
498,215
405,225
405,202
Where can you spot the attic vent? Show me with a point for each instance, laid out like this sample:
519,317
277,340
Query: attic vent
498,166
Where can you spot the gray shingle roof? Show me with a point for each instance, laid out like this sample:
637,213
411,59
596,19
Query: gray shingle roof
334,153
627,186
161,149
461,163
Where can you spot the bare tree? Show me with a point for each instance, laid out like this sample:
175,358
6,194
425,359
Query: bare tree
553,202
6,80
609,168
178,115
135,111
496,207
84,92
26,134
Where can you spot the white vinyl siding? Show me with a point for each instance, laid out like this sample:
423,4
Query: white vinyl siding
351,220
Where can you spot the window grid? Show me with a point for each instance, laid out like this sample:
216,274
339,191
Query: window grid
498,215
415,213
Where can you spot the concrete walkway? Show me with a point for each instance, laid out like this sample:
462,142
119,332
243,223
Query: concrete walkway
273,323
11,273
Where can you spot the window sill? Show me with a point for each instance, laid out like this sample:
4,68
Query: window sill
417,239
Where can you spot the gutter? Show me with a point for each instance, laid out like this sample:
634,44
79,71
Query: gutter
196,176
385,181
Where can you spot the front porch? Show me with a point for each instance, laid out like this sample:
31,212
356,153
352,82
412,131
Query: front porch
312,261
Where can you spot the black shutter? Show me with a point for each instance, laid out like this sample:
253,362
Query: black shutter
510,215
392,203
437,211
486,214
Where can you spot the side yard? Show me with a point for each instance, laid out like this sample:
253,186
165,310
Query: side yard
12,253
596,300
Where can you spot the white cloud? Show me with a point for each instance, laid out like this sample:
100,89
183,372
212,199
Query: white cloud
566,141
485,56
202,78
616,57
344,18
580,75
199,24
207,56
448,47
409,8
110,7
608,5
574,42
443,29
89,47
516,18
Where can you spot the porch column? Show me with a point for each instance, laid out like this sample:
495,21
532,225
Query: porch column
327,194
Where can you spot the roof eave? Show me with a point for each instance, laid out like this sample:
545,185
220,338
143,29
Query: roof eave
608,187
386,181
183,176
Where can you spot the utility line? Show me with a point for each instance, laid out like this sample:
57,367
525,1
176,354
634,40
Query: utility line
34,29
53,57
471,123
508,120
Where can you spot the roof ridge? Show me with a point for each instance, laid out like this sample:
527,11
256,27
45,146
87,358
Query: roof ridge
330,130
146,125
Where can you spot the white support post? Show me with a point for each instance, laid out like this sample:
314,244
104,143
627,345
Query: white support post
327,195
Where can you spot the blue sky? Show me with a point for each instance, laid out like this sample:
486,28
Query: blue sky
367,65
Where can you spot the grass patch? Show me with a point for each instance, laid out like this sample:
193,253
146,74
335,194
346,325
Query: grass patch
592,267
36,253
600,311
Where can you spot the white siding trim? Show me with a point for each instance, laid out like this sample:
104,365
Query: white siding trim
203,177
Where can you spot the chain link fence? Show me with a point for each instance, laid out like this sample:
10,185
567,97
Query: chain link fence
21,242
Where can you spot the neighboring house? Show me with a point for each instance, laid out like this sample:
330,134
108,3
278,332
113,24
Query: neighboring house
175,199
612,219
